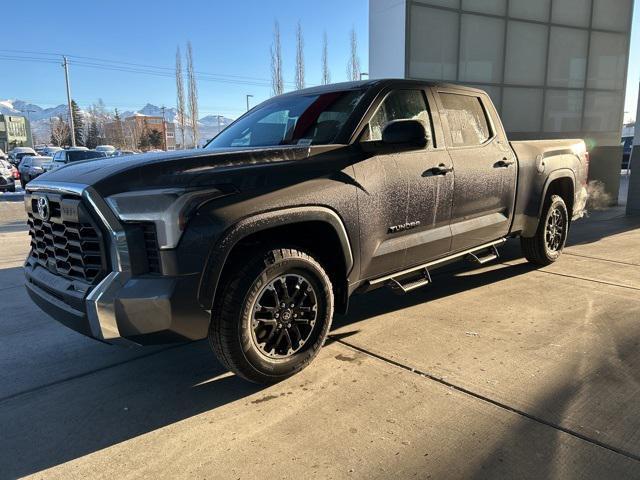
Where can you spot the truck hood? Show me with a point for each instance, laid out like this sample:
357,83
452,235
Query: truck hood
180,168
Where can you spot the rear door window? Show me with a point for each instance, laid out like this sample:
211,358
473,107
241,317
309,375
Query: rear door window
468,125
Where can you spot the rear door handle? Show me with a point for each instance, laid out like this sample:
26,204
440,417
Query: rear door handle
504,163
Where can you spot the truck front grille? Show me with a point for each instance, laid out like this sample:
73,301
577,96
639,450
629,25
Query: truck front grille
68,242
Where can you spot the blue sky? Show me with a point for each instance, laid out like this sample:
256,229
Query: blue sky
229,38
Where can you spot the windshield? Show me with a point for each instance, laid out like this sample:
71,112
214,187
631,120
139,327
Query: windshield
75,156
291,120
24,154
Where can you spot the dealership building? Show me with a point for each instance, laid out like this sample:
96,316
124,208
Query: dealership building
554,68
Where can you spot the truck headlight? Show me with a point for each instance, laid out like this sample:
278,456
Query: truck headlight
168,208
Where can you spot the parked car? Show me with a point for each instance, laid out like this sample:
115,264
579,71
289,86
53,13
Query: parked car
50,151
308,198
31,167
120,153
16,155
7,180
63,157
108,149
627,145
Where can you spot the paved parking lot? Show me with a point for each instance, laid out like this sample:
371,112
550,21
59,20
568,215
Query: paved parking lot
497,372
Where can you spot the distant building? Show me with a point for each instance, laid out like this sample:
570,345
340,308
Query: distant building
134,129
15,131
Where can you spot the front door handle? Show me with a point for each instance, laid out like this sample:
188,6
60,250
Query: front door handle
504,163
441,169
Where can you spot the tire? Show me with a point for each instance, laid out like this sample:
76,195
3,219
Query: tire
539,249
248,322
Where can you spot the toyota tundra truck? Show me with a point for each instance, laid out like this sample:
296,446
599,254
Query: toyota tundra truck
256,240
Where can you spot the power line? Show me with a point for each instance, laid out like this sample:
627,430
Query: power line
141,68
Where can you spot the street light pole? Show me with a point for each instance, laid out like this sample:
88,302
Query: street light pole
248,96
28,112
164,130
65,64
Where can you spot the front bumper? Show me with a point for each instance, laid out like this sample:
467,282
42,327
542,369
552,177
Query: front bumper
121,308
141,310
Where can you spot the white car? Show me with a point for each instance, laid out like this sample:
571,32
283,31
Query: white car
50,151
108,149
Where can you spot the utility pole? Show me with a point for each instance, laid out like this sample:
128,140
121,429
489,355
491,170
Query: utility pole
248,96
164,129
65,64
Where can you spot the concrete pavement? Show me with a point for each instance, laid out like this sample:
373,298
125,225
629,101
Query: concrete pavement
497,372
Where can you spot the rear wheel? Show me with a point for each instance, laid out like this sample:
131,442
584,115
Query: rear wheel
273,316
546,246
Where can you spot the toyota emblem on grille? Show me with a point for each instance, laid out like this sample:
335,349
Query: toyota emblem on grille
43,208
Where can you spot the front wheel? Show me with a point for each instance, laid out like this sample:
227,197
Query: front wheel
546,246
273,316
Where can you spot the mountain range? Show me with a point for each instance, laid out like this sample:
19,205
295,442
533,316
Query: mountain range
40,117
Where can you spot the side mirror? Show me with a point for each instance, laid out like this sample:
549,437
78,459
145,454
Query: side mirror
406,134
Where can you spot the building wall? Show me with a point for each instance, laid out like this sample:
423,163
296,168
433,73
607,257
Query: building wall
15,131
554,68
133,128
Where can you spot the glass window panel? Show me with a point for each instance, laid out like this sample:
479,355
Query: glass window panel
526,53
442,3
603,111
466,118
493,92
399,105
567,57
571,12
496,7
481,49
607,60
612,14
562,110
522,109
530,9
433,46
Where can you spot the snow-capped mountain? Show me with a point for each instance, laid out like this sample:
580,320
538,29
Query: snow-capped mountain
40,117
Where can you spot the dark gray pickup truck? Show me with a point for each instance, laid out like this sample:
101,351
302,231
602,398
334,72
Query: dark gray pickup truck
310,197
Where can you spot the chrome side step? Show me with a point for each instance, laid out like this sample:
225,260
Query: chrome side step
485,256
405,285
416,277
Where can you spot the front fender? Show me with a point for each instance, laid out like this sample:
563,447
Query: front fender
220,251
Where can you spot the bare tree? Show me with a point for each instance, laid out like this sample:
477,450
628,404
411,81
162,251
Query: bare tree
299,58
193,96
277,84
326,74
59,130
180,107
353,67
